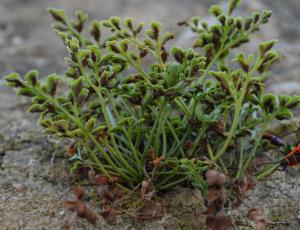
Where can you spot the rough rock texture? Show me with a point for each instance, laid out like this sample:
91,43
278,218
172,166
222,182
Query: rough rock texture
34,177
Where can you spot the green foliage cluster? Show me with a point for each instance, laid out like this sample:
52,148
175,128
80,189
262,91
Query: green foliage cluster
138,110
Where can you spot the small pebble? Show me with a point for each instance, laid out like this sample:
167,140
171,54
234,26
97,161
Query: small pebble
62,213
20,187
211,177
17,40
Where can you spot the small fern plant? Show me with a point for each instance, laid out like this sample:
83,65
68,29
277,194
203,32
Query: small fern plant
138,110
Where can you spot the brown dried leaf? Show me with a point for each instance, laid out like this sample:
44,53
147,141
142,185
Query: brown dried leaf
113,180
71,150
84,212
240,189
211,210
250,184
117,193
70,204
156,161
213,195
236,203
110,216
79,192
104,193
256,216
220,127
91,216
218,222
79,206
222,198
98,179
67,225
111,195
150,211
101,179
216,200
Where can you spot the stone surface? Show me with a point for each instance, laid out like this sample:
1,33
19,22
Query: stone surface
34,182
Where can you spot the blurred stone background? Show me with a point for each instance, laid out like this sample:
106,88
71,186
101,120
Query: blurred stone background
27,42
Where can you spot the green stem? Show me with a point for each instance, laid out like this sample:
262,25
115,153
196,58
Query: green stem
138,138
197,140
154,128
223,48
175,137
234,123
237,111
138,67
87,134
241,159
215,58
95,158
267,172
172,184
125,162
115,148
210,153
167,177
135,154
175,147
158,53
183,106
161,123
114,107
258,138
165,144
